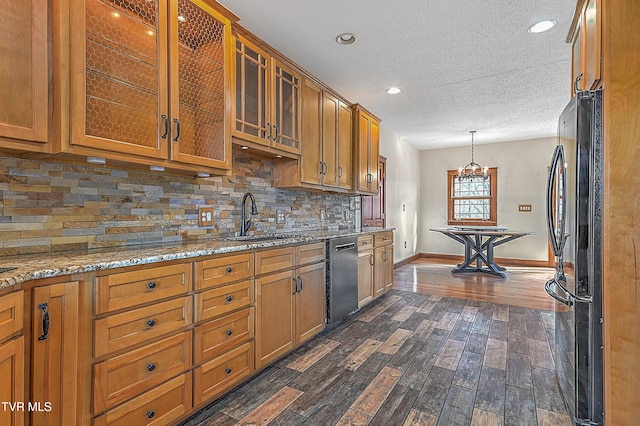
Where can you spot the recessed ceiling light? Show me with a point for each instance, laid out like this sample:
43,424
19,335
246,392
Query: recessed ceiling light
346,38
393,90
542,26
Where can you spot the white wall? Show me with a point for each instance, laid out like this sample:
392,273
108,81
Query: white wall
522,178
403,189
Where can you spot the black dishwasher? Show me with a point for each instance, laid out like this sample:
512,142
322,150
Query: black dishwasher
342,283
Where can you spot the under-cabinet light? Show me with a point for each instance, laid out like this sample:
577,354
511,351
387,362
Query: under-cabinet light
156,168
96,160
203,175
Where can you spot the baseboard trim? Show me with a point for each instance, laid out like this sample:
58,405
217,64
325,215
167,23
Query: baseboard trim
405,261
527,263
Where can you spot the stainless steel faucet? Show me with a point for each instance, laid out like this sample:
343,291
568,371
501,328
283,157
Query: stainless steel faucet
245,224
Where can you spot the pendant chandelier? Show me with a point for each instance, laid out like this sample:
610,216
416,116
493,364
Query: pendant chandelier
473,169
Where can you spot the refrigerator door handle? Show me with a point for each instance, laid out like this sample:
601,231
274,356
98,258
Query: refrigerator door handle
566,300
556,237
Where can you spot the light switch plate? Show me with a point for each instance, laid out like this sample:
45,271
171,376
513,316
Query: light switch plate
322,215
280,217
205,216
524,207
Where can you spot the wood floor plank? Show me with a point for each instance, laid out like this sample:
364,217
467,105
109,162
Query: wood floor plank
486,418
551,418
427,306
468,372
424,330
396,406
546,390
416,373
272,407
434,392
450,354
360,355
418,418
374,395
540,354
519,407
519,370
501,313
404,313
313,356
375,310
393,343
458,407
448,321
491,390
496,354
353,417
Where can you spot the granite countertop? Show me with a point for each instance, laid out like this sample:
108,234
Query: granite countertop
36,266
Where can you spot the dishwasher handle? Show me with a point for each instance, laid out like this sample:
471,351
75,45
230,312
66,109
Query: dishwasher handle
345,246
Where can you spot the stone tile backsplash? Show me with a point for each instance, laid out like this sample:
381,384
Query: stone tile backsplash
48,206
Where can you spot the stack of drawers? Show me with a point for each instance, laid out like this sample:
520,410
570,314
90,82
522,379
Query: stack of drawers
142,345
224,316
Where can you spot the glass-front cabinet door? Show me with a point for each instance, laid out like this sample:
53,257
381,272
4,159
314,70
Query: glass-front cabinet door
267,99
286,93
199,77
118,96
251,111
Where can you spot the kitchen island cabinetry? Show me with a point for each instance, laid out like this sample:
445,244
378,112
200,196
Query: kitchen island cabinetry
290,303
367,140
151,82
267,99
12,356
24,76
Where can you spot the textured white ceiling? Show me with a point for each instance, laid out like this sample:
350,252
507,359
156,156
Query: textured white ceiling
461,64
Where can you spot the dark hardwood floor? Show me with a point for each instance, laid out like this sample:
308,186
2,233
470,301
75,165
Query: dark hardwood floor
417,356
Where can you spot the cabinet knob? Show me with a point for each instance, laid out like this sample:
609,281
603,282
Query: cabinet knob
229,269
228,370
150,414
229,332
151,323
152,285
151,367
229,299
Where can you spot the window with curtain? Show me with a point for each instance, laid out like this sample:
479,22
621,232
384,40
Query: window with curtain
473,201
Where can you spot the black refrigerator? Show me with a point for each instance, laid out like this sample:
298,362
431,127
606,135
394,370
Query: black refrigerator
574,221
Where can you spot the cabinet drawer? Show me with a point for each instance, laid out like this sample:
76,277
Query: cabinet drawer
135,372
382,238
310,253
365,242
218,375
274,260
136,287
219,301
120,331
159,406
214,337
11,313
223,270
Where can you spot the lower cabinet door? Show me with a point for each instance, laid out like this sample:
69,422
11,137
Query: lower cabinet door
365,277
213,378
379,271
274,316
159,406
55,376
12,373
310,301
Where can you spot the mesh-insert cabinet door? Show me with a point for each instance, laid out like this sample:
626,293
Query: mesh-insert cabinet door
118,70
199,76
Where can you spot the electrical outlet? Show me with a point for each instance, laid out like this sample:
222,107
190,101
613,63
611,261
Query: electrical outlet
323,216
405,244
280,217
205,216
348,215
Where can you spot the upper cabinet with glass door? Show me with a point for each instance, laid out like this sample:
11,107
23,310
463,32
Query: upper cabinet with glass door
151,82
267,100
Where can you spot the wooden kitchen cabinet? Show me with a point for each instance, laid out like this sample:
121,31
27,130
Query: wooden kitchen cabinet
586,45
12,373
56,361
290,304
267,99
326,155
367,141
365,269
151,82
12,357
24,75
